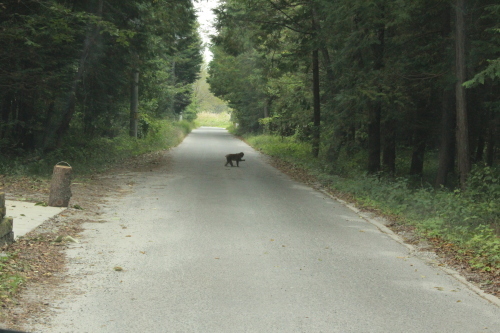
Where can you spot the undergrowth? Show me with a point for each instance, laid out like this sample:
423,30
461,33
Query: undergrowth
10,280
88,155
469,220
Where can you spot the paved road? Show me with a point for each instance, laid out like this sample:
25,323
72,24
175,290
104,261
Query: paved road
220,249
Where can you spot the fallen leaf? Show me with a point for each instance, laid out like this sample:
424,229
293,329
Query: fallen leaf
118,269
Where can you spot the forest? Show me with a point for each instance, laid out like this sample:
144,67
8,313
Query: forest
71,72
395,103
385,84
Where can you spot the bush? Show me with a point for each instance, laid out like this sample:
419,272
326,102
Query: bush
87,155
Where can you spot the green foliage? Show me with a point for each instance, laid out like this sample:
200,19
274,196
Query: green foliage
491,72
87,155
10,280
213,119
385,68
206,101
285,148
185,126
191,111
238,81
68,68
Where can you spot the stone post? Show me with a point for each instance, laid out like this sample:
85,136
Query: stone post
6,224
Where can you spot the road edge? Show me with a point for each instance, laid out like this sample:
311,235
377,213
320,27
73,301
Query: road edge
413,250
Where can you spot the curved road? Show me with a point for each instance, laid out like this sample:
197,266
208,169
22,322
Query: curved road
208,248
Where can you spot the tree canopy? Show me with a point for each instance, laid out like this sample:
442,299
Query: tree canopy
67,67
389,81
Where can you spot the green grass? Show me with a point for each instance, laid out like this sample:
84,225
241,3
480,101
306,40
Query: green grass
9,279
469,220
213,119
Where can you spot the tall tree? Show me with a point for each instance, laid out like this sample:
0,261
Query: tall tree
66,66
463,157
386,71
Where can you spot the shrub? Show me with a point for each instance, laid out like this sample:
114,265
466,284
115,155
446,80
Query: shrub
87,155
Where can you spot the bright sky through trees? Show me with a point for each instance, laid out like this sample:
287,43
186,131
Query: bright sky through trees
205,18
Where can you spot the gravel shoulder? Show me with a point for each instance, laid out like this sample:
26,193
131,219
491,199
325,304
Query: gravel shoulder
40,259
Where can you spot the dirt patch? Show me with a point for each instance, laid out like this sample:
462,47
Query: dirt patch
38,256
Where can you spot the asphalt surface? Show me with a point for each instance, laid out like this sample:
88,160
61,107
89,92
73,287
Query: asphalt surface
208,248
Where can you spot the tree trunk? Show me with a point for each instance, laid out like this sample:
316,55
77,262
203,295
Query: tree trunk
316,135
448,124
317,107
22,130
447,142
330,75
266,107
3,210
490,147
417,158
134,104
375,109
480,148
69,110
46,126
462,135
4,115
60,186
389,147
374,137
